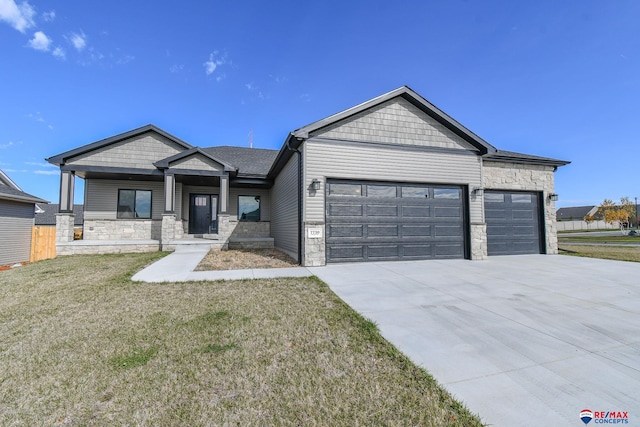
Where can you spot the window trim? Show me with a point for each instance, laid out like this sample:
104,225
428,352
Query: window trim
258,199
135,213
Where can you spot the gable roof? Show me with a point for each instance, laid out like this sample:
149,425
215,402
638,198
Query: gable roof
60,159
414,98
47,214
9,190
165,163
248,161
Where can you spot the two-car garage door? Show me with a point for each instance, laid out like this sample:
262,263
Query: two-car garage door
369,221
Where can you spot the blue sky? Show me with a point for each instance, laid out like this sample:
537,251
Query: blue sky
556,79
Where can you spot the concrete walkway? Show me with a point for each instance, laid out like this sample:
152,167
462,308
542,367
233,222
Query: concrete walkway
179,265
522,340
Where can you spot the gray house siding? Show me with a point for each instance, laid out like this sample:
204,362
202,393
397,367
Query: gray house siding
16,222
284,206
335,159
196,162
139,152
395,122
101,197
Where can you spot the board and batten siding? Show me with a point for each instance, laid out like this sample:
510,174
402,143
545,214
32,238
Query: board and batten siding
396,121
101,197
16,223
333,159
139,152
284,205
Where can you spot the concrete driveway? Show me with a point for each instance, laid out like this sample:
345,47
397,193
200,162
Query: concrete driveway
521,340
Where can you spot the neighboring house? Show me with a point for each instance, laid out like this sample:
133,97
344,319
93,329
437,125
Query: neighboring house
17,211
393,178
577,213
46,214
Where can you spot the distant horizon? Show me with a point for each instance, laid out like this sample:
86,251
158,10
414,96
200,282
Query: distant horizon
558,80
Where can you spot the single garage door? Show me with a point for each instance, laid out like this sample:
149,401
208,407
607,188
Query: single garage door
381,221
513,223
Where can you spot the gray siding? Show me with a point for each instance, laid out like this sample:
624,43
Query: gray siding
265,199
139,152
395,122
332,159
16,222
197,162
284,205
101,197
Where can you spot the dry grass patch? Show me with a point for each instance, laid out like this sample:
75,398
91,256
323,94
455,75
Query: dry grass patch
619,253
240,259
81,344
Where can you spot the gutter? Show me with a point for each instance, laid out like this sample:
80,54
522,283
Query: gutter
289,143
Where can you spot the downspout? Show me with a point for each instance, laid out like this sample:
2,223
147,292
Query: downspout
300,194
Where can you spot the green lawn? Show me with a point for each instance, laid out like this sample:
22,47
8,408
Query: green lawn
600,239
81,344
619,253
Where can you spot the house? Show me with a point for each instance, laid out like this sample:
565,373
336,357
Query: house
577,213
46,217
17,211
393,178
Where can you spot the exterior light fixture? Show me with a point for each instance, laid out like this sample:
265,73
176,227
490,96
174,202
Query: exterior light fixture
553,197
315,185
478,191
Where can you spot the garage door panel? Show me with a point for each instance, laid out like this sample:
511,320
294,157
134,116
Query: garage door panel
393,221
416,211
513,223
448,230
346,230
452,250
417,251
447,212
416,230
382,251
382,210
379,230
346,253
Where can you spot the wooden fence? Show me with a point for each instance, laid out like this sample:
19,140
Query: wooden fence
43,243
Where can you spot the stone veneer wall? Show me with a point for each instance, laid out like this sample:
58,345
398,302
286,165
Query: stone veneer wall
516,176
122,229
313,249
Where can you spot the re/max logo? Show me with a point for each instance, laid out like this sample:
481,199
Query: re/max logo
614,414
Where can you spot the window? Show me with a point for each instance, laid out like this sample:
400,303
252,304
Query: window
381,191
494,197
345,190
415,192
521,198
134,204
446,193
249,208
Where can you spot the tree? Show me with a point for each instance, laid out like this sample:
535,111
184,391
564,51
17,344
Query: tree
589,219
621,213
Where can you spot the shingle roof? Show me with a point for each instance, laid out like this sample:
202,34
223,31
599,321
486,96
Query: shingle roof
573,212
9,193
48,217
248,161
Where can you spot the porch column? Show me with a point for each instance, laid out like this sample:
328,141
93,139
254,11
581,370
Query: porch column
224,194
67,184
169,194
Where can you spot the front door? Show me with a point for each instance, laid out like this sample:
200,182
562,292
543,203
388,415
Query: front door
203,214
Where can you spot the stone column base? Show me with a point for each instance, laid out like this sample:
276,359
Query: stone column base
478,241
64,227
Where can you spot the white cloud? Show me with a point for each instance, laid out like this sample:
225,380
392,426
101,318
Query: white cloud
39,172
213,63
41,164
40,41
78,40
176,68
59,53
49,16
19,17
7,145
